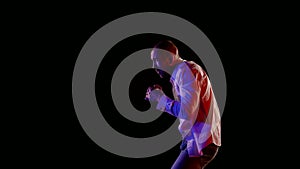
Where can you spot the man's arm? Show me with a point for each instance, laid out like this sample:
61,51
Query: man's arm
189,92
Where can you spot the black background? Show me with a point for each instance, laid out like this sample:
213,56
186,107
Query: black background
52,37
88,152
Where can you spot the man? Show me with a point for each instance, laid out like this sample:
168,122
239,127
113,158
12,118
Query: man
194,105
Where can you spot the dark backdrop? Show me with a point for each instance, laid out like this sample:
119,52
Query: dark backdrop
55,35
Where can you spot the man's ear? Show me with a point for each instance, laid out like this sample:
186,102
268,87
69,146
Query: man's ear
171,60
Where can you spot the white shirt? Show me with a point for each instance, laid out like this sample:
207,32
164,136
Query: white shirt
195,106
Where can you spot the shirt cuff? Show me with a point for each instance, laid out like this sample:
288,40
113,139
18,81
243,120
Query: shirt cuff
165,104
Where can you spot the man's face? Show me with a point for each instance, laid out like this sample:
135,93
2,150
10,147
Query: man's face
161,61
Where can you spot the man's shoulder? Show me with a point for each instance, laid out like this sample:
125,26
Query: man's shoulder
191,63
195,68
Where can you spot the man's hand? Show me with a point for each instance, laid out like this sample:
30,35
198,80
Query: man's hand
154,93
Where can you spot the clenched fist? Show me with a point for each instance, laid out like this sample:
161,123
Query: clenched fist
154,93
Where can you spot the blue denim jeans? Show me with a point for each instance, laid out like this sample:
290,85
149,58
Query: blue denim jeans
183,161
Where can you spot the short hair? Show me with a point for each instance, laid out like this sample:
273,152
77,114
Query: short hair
168,46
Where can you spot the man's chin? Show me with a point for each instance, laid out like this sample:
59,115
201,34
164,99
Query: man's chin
162,74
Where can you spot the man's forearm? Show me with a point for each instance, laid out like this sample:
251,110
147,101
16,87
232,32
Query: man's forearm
168,105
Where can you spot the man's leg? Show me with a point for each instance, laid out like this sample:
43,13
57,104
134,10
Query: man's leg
209,153
185,162
181,160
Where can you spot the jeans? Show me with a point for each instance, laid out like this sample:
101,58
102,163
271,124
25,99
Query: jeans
183,161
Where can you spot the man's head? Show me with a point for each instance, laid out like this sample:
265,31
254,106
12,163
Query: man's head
164,54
